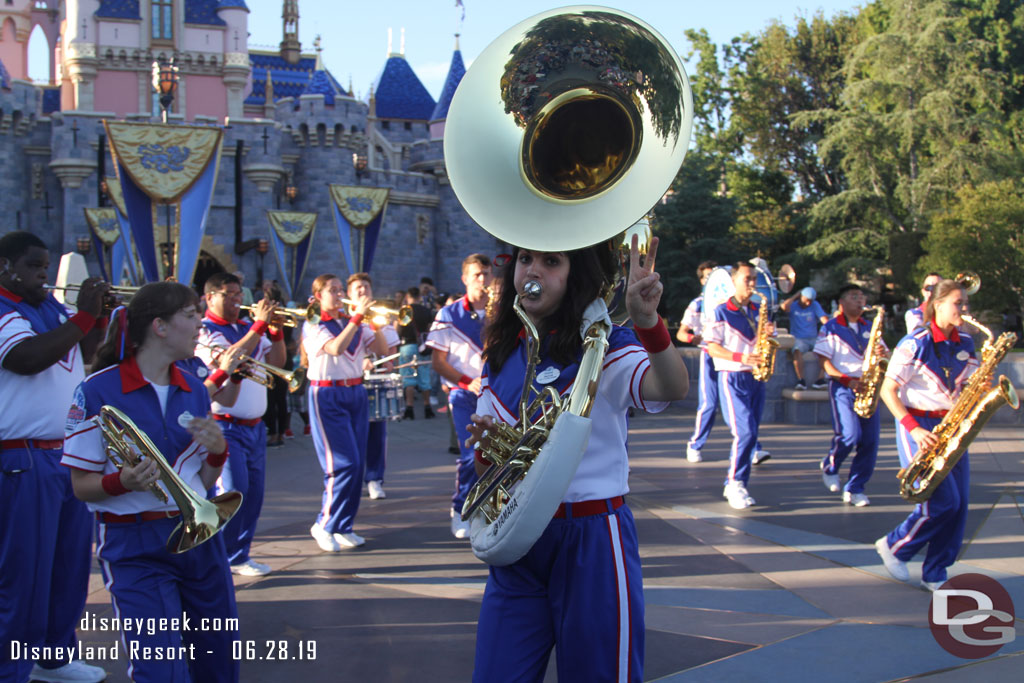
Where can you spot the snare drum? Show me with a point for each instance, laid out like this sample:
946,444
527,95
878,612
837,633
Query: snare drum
384,395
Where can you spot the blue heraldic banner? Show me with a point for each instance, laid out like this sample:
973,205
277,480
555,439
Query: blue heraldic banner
359,214
131,255
173,168
291,234
108,242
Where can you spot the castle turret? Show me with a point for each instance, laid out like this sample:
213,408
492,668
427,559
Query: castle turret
15,27
291,48
455,73
235,15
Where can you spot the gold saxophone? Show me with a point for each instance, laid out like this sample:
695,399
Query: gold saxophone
765,346
978,401
865,398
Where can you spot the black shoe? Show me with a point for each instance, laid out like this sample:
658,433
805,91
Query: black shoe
454,450
409,415
820,384
428,413
800,385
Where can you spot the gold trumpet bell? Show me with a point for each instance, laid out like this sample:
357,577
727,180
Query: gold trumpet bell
204,521
587,115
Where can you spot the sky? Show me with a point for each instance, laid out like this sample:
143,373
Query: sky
354,35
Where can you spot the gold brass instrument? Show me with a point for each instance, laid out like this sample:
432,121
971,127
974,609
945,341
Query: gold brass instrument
294,317
978,401
294,378
970,281
286,317
201,519
587,112
116,291
865,398
765,345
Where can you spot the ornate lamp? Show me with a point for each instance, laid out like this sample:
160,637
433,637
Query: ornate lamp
83,245
165,83
359,164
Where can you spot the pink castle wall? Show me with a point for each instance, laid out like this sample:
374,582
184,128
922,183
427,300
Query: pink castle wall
205,96
13,53
117,91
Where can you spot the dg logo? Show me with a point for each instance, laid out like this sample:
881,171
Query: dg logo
971,616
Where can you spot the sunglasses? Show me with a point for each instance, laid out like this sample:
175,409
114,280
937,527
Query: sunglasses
929,288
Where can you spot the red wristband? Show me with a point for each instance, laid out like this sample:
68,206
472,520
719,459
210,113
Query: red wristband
909,423
276,336
737,356
688,337
357,319
465,381
845,380
112,485
655,339
479,457
259,327
217,459
218,377
84,321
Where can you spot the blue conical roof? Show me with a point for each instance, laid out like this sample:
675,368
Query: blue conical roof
323,83
455,73
400,94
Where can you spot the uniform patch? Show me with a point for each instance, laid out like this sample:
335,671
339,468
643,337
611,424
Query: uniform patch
906,350
549,375
866,333
962,355
76,413
202,372
185,419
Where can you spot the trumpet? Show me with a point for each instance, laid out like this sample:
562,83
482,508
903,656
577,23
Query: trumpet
113,290
383,314
289,317
295,378
970,281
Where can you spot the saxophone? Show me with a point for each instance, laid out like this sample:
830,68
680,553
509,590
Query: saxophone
978,401
865,398
765,345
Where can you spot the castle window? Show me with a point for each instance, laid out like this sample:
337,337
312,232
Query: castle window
408,125
163,19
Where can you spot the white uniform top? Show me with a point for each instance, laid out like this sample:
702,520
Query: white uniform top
252,396
604,469
34,406
844,343
734,330
692,318
456,330
346,365
920,363
914,319
391,337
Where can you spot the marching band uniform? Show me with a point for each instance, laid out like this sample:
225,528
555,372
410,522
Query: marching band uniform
144,579
843,343
541,598
707,394
930,371
377,433
243,428
457,330
45,532
339,420
914,319
735,330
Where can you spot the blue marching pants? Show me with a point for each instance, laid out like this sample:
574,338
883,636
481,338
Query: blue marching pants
707,402
45,554
376,450
742,399
578,589
850,431
338,416
462,403
939,521
147,582
246,473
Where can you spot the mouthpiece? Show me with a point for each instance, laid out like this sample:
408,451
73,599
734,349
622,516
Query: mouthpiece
532,289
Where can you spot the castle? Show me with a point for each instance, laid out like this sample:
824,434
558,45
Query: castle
290,129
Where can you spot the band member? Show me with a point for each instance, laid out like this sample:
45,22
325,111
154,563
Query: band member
377,433
413,347
456,340
242,422
926,373
45,532
135,372
805,314
915,316
335,348
707,394
731,338
579,588
841,345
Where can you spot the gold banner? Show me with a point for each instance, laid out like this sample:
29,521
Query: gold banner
116,195
164,161
104,224
292,226
359,204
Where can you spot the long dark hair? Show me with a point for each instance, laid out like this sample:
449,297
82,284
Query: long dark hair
590,270
155,300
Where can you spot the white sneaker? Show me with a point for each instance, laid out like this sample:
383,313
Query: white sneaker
324,539
760,456
250,568
831,480
896,567
931,586
858,500
75,670
736,494
460,529
376,489
349,540
693,455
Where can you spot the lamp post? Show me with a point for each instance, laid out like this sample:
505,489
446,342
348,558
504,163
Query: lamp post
83,245
359,164
165,83
262,246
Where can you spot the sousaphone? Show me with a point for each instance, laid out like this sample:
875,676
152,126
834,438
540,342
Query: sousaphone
564,132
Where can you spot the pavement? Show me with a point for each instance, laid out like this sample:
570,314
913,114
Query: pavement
789,590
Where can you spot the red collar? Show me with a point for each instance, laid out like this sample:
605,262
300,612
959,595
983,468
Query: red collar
8,294
938,335
132,379
465,302
733,307
216,319
325,316
845,322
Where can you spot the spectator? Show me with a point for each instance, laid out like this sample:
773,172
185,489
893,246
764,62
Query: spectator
428,293
804,319
247,299
413,347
